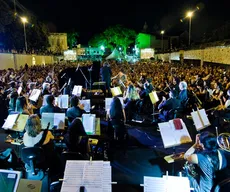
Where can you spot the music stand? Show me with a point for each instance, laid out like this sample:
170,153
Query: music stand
173,136
154,99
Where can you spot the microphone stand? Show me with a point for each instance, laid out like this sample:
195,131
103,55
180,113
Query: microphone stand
90,80
86,81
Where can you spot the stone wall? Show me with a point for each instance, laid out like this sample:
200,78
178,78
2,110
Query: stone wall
219,55
9,60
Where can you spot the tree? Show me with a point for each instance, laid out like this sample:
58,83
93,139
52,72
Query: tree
72,39
114,36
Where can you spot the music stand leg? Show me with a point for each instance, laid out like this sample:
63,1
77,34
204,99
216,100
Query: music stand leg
173,164
154,120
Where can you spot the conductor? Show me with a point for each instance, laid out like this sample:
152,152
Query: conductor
106,73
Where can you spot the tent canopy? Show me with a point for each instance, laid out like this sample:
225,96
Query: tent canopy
114,55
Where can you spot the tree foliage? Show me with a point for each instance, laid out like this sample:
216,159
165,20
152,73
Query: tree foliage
114,36
72,39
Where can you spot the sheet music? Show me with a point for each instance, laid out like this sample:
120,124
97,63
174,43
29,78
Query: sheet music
108,102
63,101
34,95
98,126
47,118
200,120
83,173
181,136
153,97
107,177
116,91
154,184
59,120
204,117
20,123
196,119
88,121
77,90
172,183
10,121
44,100
19,90
167,134
86,104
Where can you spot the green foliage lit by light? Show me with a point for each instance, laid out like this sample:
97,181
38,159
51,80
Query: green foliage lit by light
143,40
114,36
72,39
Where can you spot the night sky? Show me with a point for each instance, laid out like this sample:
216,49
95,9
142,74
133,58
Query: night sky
89,17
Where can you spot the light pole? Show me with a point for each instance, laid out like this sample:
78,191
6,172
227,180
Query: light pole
189,15
162,40
24,21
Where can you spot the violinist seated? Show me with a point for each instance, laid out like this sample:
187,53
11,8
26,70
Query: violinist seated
50,107
166,106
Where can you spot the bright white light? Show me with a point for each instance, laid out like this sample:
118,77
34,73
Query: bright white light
24,19
190,14
119,48
102,48
162,32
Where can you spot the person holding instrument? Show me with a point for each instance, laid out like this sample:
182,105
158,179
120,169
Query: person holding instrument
209,159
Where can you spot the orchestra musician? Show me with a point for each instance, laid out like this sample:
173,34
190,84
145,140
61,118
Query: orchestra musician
205,153
120,79
167,105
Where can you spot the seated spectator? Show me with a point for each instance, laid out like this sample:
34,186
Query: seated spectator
76,110
50,108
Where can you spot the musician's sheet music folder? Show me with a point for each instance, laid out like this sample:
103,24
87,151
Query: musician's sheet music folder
116,91
200,119
166,184
16,122
91,124
171,136
35,95
87,105
77,89
95,176
56,120
154,97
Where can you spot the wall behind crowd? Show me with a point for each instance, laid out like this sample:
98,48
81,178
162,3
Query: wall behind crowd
219,55
9,60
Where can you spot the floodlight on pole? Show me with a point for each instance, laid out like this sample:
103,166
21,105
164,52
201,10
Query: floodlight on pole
162,40
24,21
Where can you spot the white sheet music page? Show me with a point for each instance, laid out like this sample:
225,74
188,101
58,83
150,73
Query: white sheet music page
34,95
181,136
108,102
44,100
167,134
204,117
88,121
59,120
47,118
63,101
178,184
196,119
86,104
83,173
154,184
107,177
10,121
